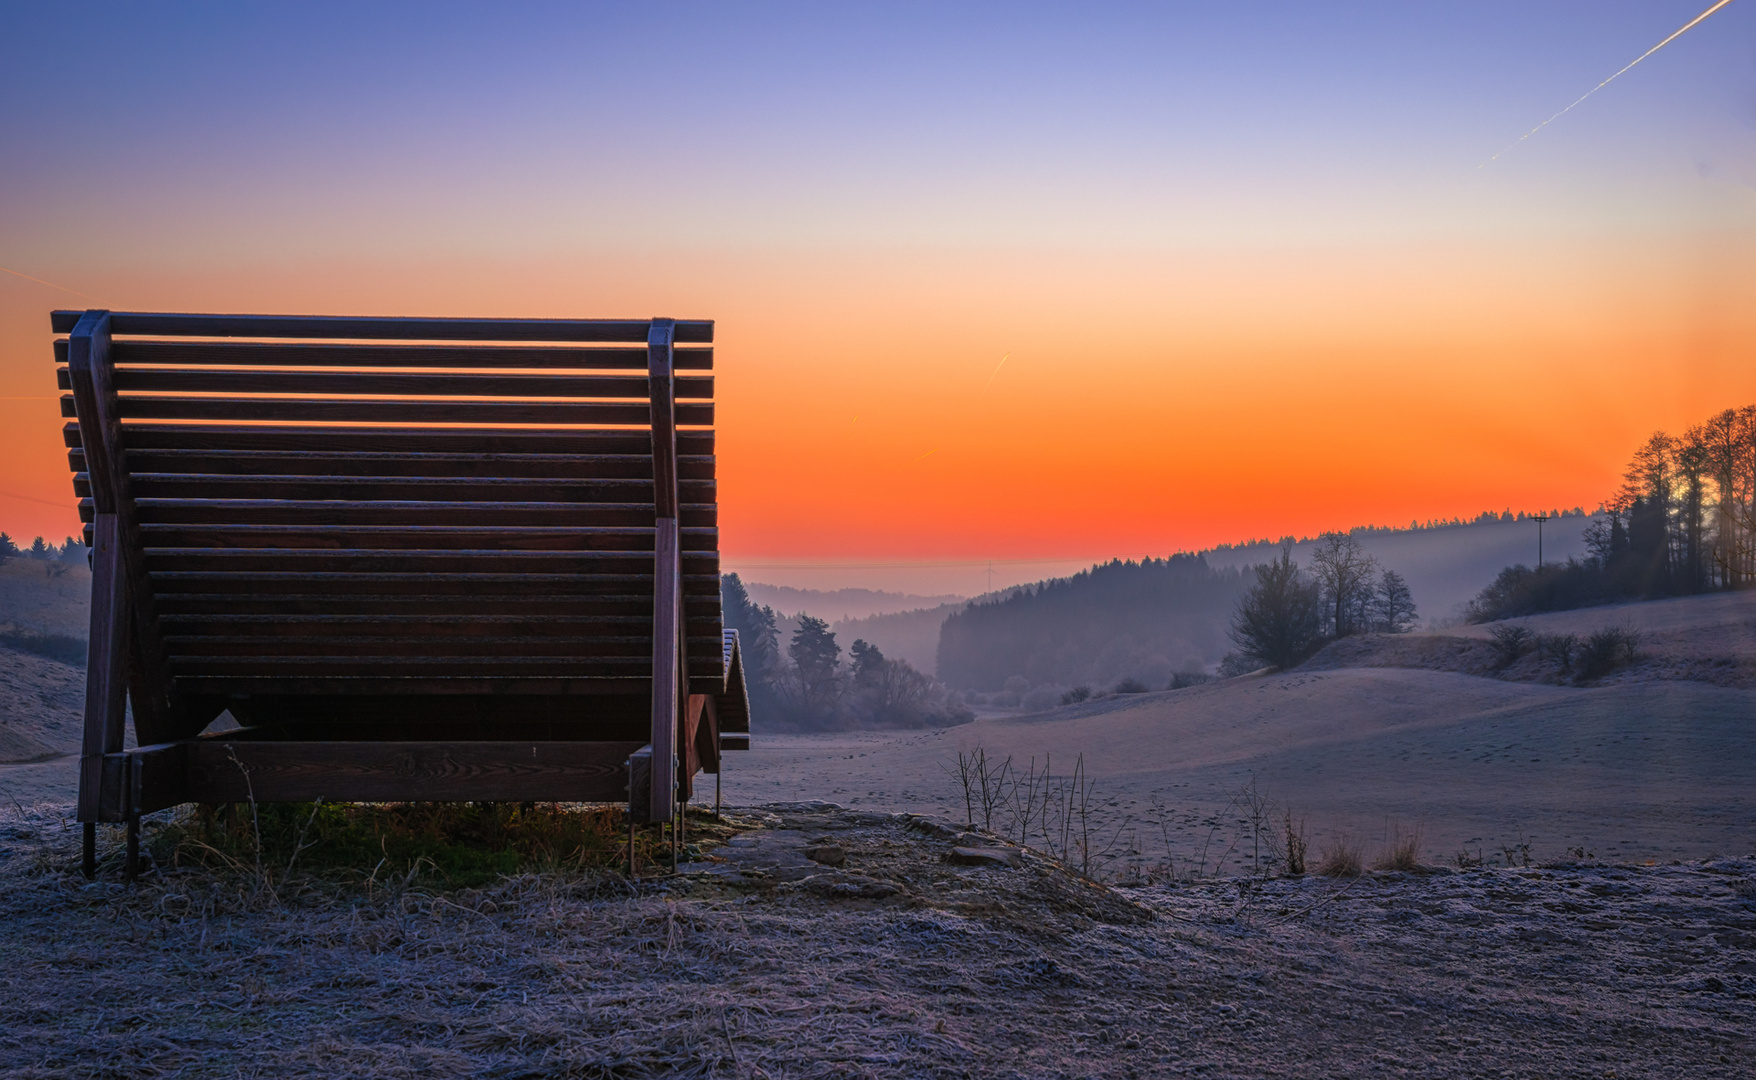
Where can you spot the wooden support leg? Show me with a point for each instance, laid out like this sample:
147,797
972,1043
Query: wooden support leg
89,863
106,680
667,671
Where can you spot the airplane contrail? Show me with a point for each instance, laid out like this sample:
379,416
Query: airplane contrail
1686,27
1002,364
50,284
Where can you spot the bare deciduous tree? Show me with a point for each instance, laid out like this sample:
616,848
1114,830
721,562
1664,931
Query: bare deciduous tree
1344,574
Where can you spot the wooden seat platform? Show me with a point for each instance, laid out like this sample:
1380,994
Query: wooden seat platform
415,559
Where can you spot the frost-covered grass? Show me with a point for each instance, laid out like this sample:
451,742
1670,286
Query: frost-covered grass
1565,970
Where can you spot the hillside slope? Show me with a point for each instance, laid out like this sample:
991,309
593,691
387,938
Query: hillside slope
1708,639
47,597
1638,769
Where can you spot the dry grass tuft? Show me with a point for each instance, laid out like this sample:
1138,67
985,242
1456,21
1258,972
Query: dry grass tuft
1341,857
1402,853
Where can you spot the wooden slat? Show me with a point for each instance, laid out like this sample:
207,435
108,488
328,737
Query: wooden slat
404,384
421,627
147,436
306,410
450,667
491,587
699,494
281,354
341,513
427,648
415,539
399,685
155,324
302,561
563,468
239,770
174,606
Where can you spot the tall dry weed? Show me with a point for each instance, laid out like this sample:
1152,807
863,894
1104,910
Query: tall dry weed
1341,857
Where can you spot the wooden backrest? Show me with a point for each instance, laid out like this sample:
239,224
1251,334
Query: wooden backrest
316,506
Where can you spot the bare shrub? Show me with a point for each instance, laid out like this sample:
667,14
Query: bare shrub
1131,686
1402,853
1516,854
985,783
1558,649
1607,649
1058,815
1257,813
1510,642
1629,641
1076,695
1340,857
1188,678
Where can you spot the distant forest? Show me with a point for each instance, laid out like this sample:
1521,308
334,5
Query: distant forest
802,679
1142,621
1486,517
39,548
1683,522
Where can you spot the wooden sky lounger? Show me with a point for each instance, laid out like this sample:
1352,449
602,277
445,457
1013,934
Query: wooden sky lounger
417,559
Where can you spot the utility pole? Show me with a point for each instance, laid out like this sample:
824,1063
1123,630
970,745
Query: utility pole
1539,519
990,575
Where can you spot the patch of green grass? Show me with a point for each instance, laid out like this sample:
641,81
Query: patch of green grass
460,845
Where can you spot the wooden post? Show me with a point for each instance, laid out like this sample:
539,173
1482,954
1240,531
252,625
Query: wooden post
90,371
667,575
106,684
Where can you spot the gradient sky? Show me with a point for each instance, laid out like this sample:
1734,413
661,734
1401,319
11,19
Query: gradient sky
1246,264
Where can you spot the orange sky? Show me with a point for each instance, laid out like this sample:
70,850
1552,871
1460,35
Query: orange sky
1146,402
